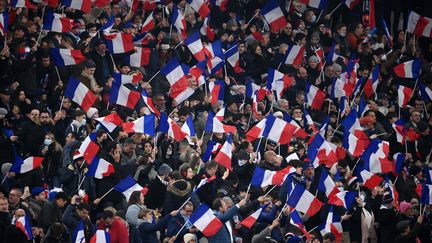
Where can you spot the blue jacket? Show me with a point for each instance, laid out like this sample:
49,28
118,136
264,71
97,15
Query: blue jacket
174,225
223,234
148,231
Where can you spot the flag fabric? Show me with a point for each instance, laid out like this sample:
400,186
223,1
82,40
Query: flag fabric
188,127
178,20
409,69
372,22
56,23
343,199
194,44
278,130
392,191
204,181
206,30
294,55
110,122
127,186
213,124
89,147
295,220
144,124
118,43
127,79
200,7
22,4
321,152
148,24
66,57
100,236
23,166
224,155
181,95
355,139
331,55
107,27
176,75
220,3
314,96
326,184
99,168
274,15
426,195
425,92
375,157
142,39
299,132
309,123
249,221
212,149
101,3
278,82
371,84
263,177
205,221
78,236
214,49
256,131
318,4
399,160
4,16
369,179
121,95
141,57
149,103
80,94
198,72
233,57
23,223
332,225
419,25
167,125
83,5
404,95
217,90
351,3
428,173
303,201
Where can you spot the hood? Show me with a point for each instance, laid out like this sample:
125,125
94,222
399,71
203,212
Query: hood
179,188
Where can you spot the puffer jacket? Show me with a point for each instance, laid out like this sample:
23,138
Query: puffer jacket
177,193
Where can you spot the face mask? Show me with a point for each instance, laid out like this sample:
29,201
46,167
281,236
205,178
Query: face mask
176,119
48,141
343,34
383,58
92,34
313,18
299,119
169,151
83,122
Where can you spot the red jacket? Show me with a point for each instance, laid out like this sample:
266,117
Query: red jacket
118,231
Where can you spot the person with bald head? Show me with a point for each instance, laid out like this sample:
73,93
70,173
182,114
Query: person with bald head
272,161
13,233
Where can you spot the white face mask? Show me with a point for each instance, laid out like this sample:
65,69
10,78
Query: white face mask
92,34
83,122
48,141
343,34
314,17
299,119
384,57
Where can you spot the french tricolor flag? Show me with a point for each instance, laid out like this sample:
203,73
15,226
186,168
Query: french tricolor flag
149,103
425,92
107,27
193,42
295,220
110,122
225,153
212,149
214,49
89,148
404,95
326,184
278,130
167,125
256,131
314,96
23,223
321,152
83,5
369,179
78,236
318,4
399,160
178,20
200,7
263,177
355,139
351,3
220,3
426,195
205,221
127,186
294,55
419,25
410,69
206,30
22,4
181,95
375,157
79,93
249,221
428,173
204,181
56,23
121,95
372,82
343,199
331,55
188,127
274,15
233,57
141,57
299,132
148,24
332,225
66,57
217,90
198,72
101,236
127,79
144,124
303,201
215,64
22,166
119,43
99,168
278,82
309,123
4,23
142,39
176,75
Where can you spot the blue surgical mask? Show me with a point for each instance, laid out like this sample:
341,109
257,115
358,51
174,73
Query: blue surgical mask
48,141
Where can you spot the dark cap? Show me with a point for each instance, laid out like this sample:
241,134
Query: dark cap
35,191
90,64
6,91
402,225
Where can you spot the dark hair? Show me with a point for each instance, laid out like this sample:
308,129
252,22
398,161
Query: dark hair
107,214
135,198
83,206
79,113
61,195
299,37
217,203
211,164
